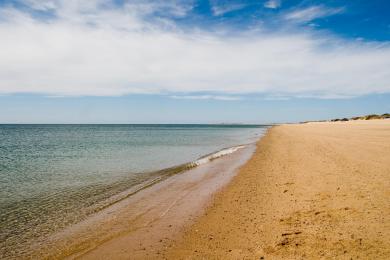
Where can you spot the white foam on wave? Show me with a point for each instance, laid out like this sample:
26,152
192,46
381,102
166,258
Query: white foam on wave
209,158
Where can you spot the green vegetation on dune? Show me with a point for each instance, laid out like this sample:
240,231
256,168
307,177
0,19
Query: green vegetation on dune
367,117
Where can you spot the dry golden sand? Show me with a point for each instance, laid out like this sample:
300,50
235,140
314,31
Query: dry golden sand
311,191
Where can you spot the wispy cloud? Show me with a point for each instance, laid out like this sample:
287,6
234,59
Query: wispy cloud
96,48
273,4
276,98
311,13
219,10
206,97
42,5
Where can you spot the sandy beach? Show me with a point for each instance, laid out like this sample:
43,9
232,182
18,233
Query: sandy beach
174,129
311,191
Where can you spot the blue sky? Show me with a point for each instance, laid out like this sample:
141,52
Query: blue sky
159,109
131,61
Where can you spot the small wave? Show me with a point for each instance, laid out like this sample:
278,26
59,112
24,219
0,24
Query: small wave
160,175
216,155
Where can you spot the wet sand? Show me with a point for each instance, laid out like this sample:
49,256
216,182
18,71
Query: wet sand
311,191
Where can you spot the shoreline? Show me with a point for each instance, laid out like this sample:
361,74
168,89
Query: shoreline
314,190
145,215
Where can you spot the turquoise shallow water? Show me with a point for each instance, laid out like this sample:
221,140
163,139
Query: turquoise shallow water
52,176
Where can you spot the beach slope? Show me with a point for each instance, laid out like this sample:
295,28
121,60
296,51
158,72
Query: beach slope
315,190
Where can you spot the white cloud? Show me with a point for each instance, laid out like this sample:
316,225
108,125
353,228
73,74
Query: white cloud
41,5
311,13
272,4
219,10
90,50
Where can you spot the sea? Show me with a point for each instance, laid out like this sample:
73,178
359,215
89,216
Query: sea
53,176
